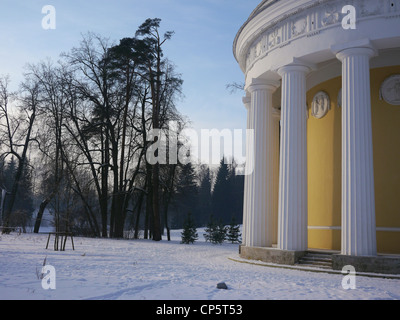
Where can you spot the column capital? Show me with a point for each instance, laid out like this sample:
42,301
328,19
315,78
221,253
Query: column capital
296,65
293,67
263,84
355,48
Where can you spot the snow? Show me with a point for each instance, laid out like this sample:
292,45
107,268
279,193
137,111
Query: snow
145,270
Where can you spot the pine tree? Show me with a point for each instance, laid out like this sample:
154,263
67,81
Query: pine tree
233,233
189,233
215,232
219,233
210,229
237,188
186,198
23,206
222,193
204,195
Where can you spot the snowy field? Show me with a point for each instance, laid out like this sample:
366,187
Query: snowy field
144,270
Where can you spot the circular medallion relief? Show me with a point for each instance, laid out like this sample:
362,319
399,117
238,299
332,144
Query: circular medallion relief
339,99
320,105
390,90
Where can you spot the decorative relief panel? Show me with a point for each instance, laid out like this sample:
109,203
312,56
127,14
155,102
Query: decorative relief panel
258,49
310,21
331,15
390,90
299,27
274,38
321,105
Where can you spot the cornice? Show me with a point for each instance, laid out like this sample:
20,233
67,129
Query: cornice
279,23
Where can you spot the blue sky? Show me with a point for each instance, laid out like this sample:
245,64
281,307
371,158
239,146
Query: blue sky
201,47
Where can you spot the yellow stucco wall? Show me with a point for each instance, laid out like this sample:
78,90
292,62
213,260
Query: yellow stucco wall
324,167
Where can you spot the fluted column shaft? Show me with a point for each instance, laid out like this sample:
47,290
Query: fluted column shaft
276,129
358,195
292,214
248,169
259,184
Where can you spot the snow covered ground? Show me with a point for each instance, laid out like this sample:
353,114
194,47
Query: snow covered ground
143,269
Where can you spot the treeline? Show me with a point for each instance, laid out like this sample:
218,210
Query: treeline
207,195
76,135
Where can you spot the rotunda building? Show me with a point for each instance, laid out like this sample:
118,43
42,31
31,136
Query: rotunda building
322,82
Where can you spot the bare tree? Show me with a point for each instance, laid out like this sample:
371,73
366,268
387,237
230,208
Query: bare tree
51,119
90,116
57,94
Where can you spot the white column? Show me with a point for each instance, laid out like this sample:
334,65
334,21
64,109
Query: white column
292,215
276,129
259,184
358,195
249,164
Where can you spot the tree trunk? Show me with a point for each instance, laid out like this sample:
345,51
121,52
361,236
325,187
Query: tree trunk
18,175
149,201
104,187
39,216
166,221
139,210
156,204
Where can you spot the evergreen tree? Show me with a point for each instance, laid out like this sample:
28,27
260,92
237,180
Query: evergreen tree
204,195
219,233
222,197
233,232
10,169
189,233
215,232
187,195
237,187
23,205
227,196
210,229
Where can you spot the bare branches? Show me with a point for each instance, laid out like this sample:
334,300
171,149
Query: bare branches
234,87
86,120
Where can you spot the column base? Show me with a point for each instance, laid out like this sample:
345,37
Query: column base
272,255
376,264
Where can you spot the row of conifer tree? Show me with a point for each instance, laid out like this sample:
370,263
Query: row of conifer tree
215,232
